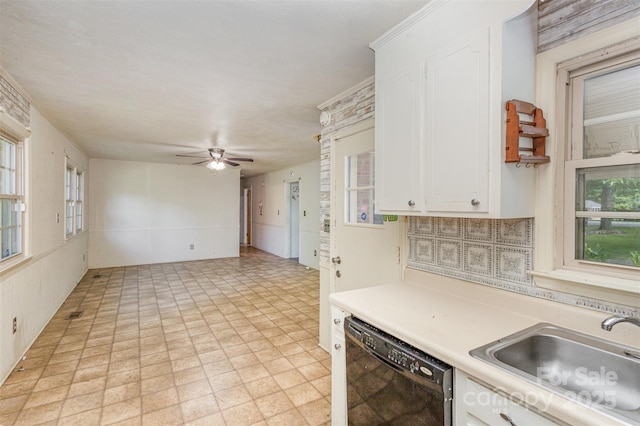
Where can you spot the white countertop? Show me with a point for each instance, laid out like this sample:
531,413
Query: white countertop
447,318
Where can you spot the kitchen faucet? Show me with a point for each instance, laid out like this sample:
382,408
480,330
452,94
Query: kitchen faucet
608,323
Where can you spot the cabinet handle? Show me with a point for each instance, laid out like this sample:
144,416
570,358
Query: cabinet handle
336,321
475,202
508,419
338,346
412,203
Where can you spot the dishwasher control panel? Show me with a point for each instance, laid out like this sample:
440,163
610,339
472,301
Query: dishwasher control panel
394,351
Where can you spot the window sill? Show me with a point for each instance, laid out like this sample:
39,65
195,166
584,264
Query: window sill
612,289
70,237
13,265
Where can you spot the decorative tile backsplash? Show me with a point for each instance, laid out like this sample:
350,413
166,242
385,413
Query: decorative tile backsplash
480,250
492,252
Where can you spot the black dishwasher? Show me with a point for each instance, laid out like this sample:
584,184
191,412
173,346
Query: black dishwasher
390,382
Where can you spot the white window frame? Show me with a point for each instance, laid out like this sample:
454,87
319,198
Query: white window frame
18,195
573,160
550,272
74,200
69,201
351,176
79,217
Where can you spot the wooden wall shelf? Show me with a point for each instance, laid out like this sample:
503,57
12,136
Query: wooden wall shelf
533,127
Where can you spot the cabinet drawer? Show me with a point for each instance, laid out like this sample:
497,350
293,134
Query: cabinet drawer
486,407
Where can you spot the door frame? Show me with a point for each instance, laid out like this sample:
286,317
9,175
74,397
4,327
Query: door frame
335,138
248,193
287,215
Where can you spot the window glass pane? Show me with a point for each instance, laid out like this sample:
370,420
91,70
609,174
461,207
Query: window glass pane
7,167
68,189
365,206
610,240
11,200
365,169
6,242
15,240
608,189
69,218
79,186
611,189
612,113
6,213
359,193
78,216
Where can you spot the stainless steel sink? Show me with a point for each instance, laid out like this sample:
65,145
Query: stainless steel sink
594,372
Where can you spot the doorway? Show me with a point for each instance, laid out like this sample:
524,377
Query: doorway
294,219
364,249
246,238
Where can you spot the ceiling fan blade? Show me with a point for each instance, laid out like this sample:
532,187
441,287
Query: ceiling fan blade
192,156
240,159
231,163
200,162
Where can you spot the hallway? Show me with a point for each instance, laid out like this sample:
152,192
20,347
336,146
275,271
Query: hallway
213,342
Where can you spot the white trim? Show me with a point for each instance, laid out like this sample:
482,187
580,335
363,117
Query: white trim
612,215
549,203
407,23
612,118
613,289
13,127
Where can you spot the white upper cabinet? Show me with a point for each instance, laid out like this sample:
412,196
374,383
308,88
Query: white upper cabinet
399,158
442,80
457,127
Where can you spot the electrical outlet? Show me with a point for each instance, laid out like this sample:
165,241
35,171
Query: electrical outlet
315,252
15,325
191,247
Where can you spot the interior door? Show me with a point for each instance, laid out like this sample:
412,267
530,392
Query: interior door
365,250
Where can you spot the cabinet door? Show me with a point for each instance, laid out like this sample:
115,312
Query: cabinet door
457,127
398,150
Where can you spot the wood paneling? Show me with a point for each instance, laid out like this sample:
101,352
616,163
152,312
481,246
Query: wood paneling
560,21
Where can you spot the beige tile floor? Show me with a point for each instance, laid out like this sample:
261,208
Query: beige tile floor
215,342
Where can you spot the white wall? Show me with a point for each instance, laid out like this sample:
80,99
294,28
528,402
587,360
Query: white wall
34,291
146,213
270,230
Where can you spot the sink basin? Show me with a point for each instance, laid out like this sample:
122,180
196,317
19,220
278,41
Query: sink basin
594,372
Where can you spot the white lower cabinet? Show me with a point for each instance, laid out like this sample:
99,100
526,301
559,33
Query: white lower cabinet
338,369
477,405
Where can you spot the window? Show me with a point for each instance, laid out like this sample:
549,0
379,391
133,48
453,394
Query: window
70,197
359,191
12,198
602,166
79,200
74,196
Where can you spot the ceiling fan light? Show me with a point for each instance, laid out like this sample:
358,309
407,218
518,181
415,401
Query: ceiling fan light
216,165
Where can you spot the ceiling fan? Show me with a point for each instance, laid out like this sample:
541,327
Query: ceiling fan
217,160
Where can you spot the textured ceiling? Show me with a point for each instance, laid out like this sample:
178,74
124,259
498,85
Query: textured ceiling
146,80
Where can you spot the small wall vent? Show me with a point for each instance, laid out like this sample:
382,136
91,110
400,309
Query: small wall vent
74,315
